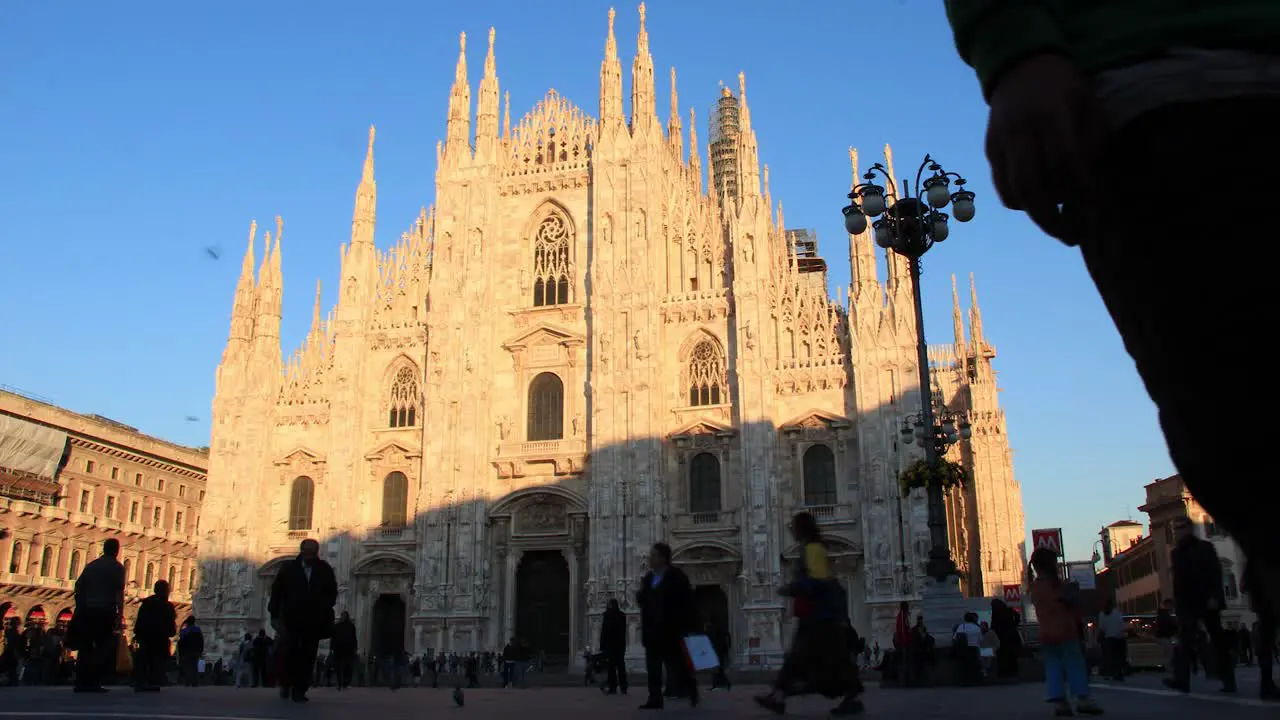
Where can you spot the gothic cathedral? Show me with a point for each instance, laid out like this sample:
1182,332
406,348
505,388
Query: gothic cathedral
581,350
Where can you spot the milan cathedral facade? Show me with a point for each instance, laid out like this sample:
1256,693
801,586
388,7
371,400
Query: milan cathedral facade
583,349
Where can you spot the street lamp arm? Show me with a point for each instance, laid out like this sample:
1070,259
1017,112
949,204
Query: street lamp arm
928,162
870,174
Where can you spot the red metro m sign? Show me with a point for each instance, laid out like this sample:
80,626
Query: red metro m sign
1013,594
1050,538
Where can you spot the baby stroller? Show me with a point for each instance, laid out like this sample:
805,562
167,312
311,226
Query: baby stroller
596,664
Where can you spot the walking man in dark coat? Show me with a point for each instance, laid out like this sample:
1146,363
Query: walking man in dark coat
666,617
301,609
1199,598
613,645
157,622
261,651
99,611
343,645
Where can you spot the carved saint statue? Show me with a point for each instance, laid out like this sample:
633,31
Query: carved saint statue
637,342
504,427
577,424
606,340
749,336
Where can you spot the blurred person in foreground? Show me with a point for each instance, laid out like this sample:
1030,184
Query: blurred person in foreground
1199,598
301,607
1266,639
819,660
1102,113
1057,606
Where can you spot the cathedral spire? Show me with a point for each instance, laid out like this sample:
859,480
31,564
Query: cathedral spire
242,309
459,131
266,327
675,135
487,107
315,312
506,115
957,318
862,253
975,316
748,153
365,215
695,162
277,273
644,112
899,269
610,79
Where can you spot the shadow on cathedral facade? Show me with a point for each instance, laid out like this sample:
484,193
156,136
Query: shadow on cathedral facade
580,350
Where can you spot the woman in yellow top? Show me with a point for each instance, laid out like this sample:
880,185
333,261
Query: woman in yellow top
819,660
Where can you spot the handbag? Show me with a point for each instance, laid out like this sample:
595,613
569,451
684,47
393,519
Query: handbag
124,658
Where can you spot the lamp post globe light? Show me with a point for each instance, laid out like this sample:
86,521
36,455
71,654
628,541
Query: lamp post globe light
909,221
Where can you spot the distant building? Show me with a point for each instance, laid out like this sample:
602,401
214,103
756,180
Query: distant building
69,481
1168,501
1133,578
1119,537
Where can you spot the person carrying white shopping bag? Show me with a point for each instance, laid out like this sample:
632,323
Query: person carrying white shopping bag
667,617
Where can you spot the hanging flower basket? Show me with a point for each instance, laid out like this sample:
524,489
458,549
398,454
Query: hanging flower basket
920,474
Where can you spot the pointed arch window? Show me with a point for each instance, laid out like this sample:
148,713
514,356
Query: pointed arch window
191,580
128,572
150,576
15,559
707,380
301,501
552,270
173,578
73,571
819,476
46,562
395,500
704,484
546,408
404,399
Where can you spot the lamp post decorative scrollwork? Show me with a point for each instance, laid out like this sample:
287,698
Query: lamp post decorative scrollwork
910,224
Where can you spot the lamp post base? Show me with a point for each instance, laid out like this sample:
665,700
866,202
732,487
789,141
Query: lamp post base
943,607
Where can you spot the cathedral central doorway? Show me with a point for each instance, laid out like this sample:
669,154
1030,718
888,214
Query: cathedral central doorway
713,606
387,626
542,605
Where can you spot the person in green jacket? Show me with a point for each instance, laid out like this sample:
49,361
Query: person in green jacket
1145,133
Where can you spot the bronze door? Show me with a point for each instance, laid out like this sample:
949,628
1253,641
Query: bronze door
542,605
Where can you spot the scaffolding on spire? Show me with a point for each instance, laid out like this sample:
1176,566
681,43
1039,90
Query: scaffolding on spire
725,120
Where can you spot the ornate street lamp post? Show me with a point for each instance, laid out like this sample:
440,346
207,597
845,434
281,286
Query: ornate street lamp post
910,224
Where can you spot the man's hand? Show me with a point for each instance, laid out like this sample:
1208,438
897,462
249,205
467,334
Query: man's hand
1040,139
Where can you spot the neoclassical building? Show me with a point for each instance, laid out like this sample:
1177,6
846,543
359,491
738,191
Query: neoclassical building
586,346
70,481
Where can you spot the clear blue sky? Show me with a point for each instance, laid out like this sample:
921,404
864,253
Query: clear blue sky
134,135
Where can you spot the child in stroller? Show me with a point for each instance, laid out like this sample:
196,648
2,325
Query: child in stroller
595,665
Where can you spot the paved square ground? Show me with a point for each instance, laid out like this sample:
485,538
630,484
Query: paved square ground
224,703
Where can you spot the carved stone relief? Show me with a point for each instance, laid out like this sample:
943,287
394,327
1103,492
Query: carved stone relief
542,514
